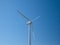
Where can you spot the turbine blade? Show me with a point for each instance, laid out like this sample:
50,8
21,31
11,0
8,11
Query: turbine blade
36,18
23,15
33,33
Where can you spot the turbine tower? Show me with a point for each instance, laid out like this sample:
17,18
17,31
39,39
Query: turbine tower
29,23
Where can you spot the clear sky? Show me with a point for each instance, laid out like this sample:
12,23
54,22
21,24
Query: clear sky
13,28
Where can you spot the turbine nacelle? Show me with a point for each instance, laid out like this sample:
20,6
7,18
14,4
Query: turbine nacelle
29,22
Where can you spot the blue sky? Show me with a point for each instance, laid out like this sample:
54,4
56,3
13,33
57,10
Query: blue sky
13,28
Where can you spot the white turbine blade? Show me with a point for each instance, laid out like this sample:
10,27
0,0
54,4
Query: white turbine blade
23,15
33,33
36,18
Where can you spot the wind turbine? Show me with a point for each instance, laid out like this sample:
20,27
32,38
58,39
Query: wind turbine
29,23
